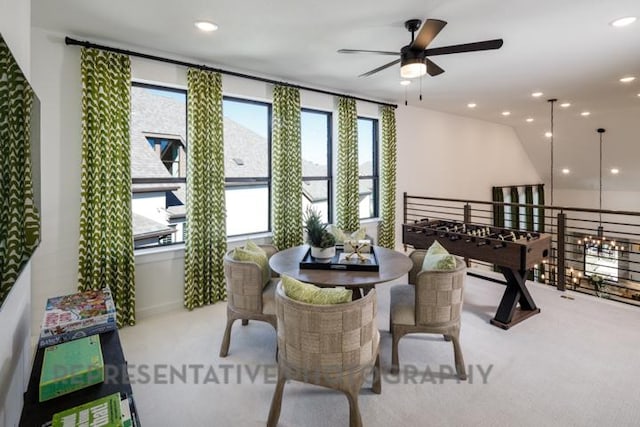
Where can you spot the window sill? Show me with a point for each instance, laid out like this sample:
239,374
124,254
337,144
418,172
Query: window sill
169,252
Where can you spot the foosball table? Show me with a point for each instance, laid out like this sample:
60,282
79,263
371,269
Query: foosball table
515,252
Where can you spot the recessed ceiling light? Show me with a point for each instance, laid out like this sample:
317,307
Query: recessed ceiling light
506,113
615,171
565,104
548,134
623,22
471,105
627,79
205,26
405,82
537,94
529,119
585,113
565,171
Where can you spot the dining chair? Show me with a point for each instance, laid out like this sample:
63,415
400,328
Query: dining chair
333,346
248,297
431,303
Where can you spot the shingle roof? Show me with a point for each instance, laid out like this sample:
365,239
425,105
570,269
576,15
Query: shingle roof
144,228
153,113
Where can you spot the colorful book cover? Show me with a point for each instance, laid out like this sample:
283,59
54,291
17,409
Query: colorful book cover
71,366
103,412
77,315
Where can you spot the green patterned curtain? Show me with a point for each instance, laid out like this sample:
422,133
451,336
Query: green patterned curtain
515,210
19,219
106,235
528,195
206,225
498,210
387,226
287,168
348,197
541,208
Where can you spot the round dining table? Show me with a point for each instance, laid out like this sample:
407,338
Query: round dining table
392,265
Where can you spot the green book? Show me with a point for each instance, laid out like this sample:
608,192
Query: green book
103,412
71,366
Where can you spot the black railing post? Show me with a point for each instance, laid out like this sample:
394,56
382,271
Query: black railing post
404,207
467,220
561,224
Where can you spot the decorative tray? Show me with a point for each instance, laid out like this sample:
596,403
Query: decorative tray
340,262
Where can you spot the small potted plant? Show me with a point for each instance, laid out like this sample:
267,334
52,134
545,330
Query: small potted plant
322,242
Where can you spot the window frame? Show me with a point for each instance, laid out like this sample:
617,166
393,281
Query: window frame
329,177
375,177
246,182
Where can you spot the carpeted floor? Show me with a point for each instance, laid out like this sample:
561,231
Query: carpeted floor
577,363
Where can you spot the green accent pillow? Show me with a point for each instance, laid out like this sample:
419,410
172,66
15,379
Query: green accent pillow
439,262
342,236
251,246
437,249
438,258
260,258
311,294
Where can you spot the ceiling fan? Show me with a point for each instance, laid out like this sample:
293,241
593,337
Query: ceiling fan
414,61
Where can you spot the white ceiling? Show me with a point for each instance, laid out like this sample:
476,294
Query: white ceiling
564,48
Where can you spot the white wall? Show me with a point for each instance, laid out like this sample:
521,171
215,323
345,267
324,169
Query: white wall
15,325
443,155
611,200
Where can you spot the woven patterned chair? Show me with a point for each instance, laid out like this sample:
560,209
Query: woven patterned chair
334,346
247,297
431,303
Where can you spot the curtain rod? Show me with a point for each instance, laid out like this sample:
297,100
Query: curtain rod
73,42
509,186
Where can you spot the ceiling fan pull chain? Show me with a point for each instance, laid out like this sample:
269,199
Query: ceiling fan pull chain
420,88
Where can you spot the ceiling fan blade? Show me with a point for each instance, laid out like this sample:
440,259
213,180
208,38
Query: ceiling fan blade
379,52
466,47
433,69
427,33
368,73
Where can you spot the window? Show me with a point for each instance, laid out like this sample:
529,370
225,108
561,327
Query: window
368,166
315,127
158,164
247,164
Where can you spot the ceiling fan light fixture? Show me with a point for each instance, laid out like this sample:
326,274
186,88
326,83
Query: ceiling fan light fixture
412,68
412,63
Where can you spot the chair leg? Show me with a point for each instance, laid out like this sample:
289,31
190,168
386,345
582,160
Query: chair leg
355,420
457,352
395,364
245,322
224,347
376,385
276,402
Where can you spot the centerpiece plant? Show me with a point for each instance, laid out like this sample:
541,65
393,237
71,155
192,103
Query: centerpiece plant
322,242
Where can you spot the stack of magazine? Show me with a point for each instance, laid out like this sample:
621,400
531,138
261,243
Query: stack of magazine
76,316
